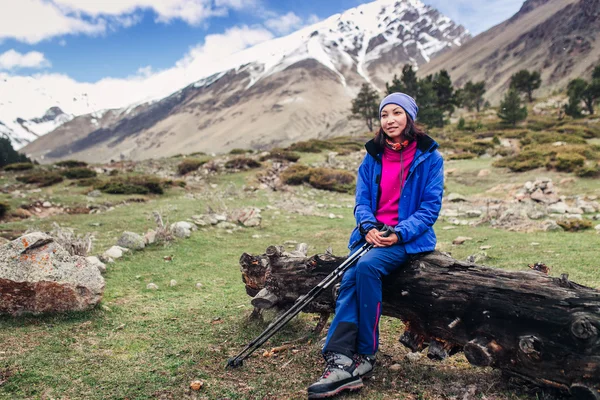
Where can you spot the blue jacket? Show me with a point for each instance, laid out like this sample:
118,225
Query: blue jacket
420,202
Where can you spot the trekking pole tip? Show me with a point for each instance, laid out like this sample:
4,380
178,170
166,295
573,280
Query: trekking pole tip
234,363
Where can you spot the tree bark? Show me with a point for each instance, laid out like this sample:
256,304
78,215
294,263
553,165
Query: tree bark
540,328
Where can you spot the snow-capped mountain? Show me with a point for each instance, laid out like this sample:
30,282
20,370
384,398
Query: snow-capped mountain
287,77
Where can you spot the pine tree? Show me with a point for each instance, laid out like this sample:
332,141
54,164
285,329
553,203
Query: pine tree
8,155
473,95
442,84
596,73
366,105
396,86
430,113
409,80
526,82
511,110
576,90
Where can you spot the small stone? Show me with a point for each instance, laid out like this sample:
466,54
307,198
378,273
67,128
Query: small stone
331,216
486,247
414,357
96,262
534,243
196,385
152,286
395,367
173,283
47,204
455,197
461,239
199,285
95,193
484,172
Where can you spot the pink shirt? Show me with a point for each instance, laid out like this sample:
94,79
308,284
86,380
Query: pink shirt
395,166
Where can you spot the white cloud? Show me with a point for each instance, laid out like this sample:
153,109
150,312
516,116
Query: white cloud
31,96
31,21
12,59
284,23
237,4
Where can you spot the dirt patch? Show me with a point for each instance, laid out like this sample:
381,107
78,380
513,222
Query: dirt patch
4,375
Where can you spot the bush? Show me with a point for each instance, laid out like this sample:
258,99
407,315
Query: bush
78,173
574,225
242,163
311,146
588,171
239,151
568,162
139,184
336,180
296,174
462,156
4,207
113,172
88,182
42,178
281,155
19,166
71,164
188,165
524,161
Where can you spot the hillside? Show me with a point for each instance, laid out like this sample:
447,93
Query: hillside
558,38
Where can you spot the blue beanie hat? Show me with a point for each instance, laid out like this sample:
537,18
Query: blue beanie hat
404,101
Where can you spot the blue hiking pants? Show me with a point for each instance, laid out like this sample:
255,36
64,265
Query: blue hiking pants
355,326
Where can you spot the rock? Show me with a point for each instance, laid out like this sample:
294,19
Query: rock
474,213
396,367
539,196
131,240
198,285
566,181
115,252
94,193
558,208
536,214
21,213
97,263
486,247
455,197
477,258
152,286
173,283
449,213
551,226
484,172
461,239
221,217
574,210
414,357
249,216
331,216
46,204
38,276
150,236
182,229
226,225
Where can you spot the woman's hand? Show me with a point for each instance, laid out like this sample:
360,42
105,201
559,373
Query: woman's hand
376,238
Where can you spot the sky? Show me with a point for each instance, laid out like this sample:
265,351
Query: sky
88,41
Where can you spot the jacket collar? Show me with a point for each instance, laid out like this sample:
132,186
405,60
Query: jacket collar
424,144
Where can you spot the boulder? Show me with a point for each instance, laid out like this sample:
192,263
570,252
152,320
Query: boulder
249,216
38,276
132,241
97,263
558,208
150,236
114,252
182,229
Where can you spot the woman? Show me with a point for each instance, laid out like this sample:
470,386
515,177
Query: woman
400,184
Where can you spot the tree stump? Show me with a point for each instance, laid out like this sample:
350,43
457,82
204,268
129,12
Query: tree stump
527,324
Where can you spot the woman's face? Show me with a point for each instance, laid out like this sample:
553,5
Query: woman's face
393,121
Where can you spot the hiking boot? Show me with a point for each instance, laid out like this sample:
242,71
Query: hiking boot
366,363
340,374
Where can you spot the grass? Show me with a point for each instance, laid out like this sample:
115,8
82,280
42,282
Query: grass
141,344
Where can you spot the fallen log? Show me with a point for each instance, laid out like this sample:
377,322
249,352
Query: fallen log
527,324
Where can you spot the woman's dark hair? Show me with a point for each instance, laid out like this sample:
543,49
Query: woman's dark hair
412,131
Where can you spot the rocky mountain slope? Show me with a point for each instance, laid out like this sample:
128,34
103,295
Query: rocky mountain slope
558,38
288,89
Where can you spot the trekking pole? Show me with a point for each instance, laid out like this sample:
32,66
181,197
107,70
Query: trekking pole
300,304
